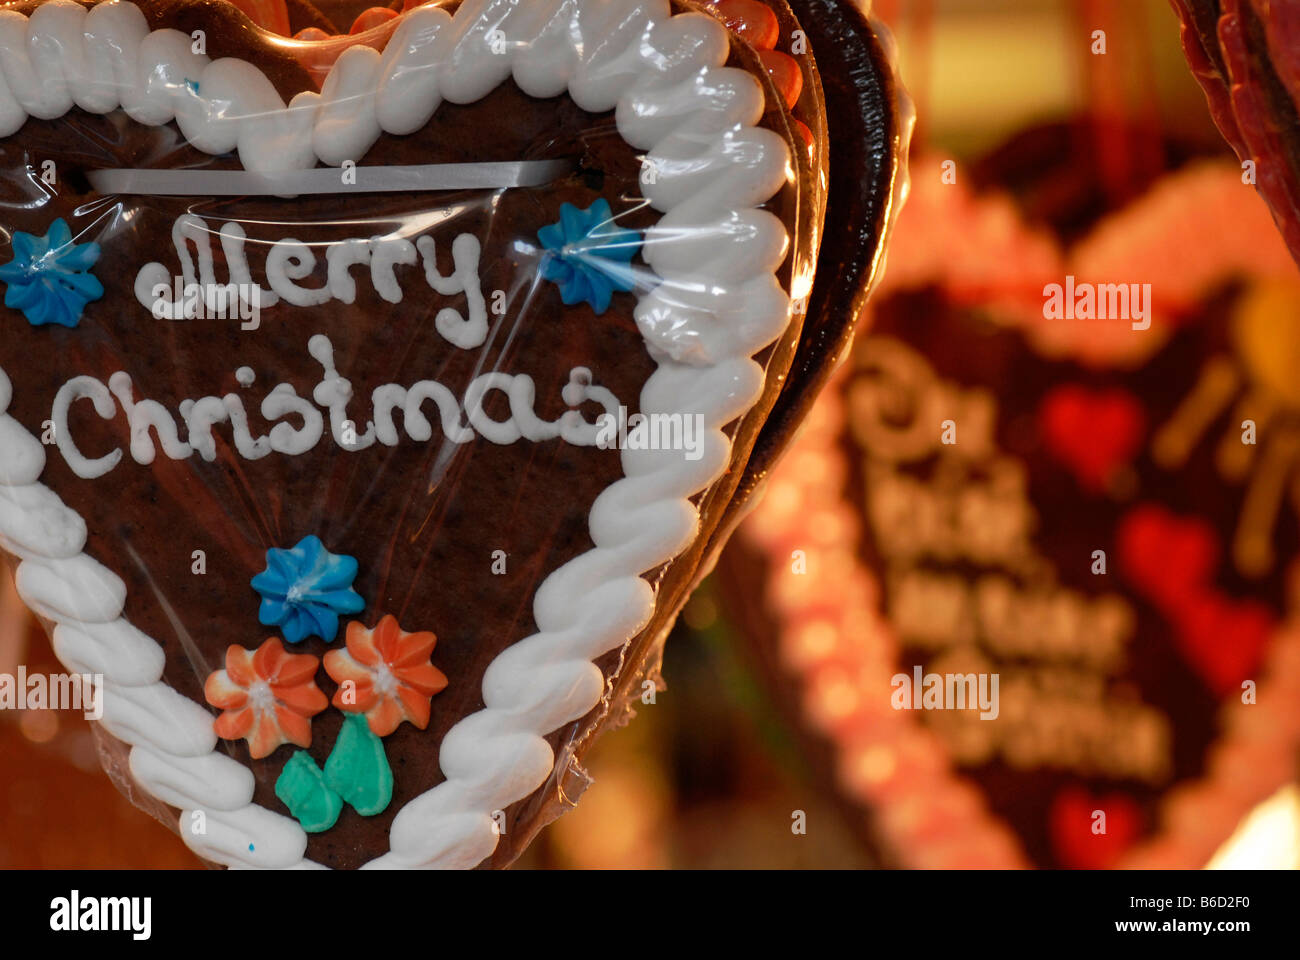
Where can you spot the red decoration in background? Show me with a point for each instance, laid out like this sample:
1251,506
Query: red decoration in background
751,20
1223,639
369,19
1072,828
1092,432
1167,557
785,73
755,23
1172,561
393,676
270,15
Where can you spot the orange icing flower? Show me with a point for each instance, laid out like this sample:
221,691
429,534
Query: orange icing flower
268,696
391,676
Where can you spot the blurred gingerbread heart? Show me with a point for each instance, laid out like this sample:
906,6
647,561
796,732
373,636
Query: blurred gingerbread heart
1023,567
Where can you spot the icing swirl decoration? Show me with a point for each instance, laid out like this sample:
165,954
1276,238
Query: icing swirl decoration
268,697
385,675
49,278
587,256
304,590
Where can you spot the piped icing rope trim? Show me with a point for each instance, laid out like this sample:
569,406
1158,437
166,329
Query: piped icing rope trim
663,75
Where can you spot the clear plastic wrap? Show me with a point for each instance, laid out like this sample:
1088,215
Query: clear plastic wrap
367,403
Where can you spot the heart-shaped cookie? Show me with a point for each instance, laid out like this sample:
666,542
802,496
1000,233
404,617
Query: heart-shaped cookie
985,652
366,439
1246,56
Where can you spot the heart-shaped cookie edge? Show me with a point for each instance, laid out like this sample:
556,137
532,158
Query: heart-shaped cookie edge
172,741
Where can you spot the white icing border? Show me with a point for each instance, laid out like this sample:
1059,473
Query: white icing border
696,120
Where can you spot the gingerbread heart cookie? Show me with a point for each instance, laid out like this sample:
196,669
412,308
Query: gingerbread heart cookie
364,439
1031,577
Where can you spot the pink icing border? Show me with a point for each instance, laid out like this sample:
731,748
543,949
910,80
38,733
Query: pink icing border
832,638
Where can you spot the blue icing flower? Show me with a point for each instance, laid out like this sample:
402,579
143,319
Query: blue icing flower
587,256
305,589
49,278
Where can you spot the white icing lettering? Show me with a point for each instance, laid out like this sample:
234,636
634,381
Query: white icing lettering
460,422
465,251
143,415
197,293
94,391
283,402
291,260
333,393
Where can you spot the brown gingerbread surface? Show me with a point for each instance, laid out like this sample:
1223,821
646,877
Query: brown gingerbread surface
423,519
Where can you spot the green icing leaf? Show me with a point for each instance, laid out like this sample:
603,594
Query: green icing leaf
303,789
357,768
